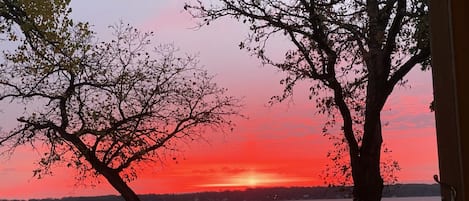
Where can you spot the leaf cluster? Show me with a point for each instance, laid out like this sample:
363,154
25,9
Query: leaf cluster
42,19
338,171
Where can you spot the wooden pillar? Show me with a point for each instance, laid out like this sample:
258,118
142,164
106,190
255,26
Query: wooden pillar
449,21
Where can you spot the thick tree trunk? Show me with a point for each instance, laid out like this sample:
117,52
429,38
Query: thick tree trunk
368,184
120,185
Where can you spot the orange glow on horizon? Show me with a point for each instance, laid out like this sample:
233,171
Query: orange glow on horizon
252,179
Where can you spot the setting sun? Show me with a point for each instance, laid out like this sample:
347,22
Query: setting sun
252,181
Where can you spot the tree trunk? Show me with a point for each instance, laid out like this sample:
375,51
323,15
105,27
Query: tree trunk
120,185
368,184
111,175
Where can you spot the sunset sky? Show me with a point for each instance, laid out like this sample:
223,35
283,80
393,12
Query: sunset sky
280,145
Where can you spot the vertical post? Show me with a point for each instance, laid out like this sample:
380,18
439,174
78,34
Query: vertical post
450,62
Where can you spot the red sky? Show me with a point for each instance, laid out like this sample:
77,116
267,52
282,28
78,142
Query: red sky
277,146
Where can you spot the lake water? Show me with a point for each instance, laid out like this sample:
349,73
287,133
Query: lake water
390,199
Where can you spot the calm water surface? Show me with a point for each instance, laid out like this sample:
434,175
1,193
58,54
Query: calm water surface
390,199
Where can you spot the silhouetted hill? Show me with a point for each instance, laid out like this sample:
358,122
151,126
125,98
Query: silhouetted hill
266,194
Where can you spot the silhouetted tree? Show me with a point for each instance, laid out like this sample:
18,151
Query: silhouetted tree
354,52
105,108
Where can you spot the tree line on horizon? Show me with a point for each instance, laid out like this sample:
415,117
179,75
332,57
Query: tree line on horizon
271,193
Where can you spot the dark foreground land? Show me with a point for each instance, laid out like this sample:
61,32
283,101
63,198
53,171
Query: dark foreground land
267,194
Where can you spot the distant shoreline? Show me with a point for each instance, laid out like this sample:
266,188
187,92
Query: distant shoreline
271,193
